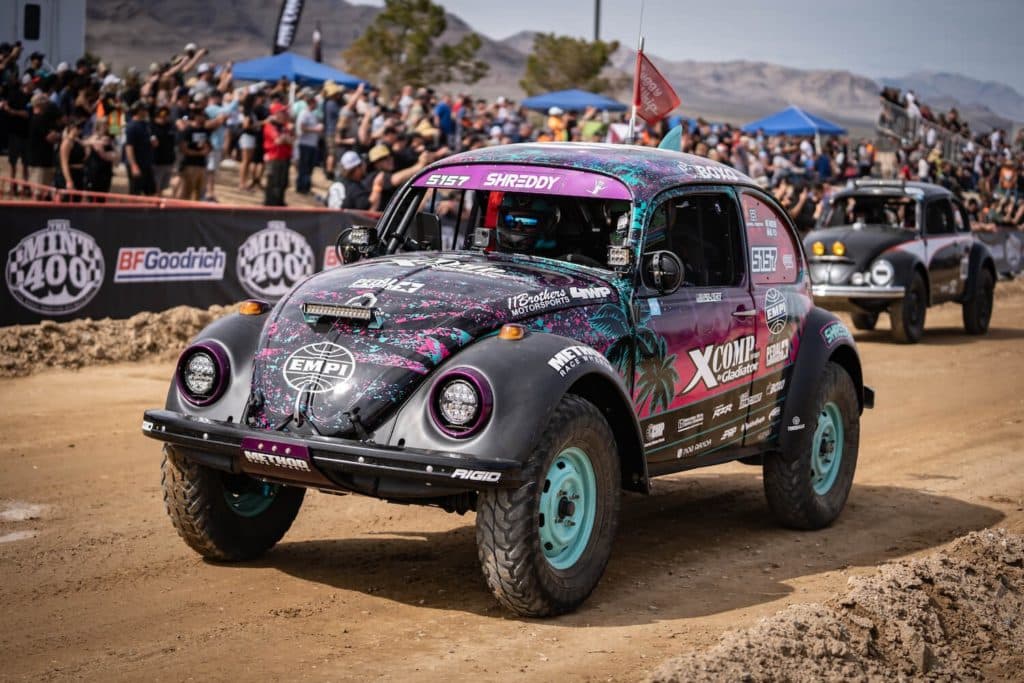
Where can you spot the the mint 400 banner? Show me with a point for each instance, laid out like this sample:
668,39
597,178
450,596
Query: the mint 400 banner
103,261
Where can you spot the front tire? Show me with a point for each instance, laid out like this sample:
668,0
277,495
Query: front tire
544,545
808,489
865,321
222,516
908,313
977,310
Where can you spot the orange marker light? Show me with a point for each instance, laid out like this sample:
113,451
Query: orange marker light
512,332
838,248
253,307
818,249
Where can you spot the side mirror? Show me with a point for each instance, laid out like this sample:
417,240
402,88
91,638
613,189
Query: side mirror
663,271
426,232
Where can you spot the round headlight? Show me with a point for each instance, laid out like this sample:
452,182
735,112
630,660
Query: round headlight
838,249
200,374
461,402
882,272
818,249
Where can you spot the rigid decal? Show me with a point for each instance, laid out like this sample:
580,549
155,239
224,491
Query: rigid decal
55,271
775,313
476,475
273,260
153,264
722,363
318,367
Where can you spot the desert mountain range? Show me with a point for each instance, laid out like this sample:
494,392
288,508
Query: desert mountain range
137,32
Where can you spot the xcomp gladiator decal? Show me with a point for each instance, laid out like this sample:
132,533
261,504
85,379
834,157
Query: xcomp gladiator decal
722,363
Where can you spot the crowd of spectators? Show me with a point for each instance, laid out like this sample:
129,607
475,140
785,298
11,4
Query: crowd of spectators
173,126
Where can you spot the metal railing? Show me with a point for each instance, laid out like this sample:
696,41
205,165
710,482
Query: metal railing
897,125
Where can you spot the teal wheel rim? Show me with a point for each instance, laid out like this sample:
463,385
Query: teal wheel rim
568,506
827,449
248,497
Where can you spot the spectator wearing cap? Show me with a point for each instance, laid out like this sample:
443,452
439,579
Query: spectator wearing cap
194,145
277,152
557,125
310,129
35,65
43,135
384,181
332,112
138,152
350,191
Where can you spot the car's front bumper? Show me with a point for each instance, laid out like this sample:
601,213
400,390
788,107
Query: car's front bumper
854,298
229,446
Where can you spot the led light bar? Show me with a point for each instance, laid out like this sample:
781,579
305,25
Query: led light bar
359,313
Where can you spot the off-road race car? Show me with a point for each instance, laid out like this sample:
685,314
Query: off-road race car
899,247
530,330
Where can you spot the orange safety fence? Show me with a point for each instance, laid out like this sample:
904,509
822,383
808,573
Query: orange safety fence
15,192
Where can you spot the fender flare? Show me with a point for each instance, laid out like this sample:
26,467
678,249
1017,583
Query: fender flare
980,257
905,265
525,388
238,335
825,338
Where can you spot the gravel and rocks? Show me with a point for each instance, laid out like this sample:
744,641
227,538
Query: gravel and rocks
957,614
25,349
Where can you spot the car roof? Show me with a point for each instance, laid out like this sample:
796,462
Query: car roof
893,188
646,171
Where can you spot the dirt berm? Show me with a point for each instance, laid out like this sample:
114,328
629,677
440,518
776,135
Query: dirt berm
957,614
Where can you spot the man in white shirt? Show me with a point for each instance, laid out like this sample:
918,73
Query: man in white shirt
309,128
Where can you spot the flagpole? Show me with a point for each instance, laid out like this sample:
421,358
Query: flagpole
631,136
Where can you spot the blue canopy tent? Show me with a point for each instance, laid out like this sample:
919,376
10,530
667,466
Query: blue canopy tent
572,100
295,68
794,121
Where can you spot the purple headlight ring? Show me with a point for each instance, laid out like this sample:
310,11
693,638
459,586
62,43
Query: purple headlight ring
483,390
220,360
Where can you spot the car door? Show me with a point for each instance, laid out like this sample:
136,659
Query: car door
945,251
782,300
696,349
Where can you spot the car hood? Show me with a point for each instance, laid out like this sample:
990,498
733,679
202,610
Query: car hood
330,373
863,244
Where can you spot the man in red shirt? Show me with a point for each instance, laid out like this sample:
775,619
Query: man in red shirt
277,153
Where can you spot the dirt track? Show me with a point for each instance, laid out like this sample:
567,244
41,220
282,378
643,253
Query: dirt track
99,586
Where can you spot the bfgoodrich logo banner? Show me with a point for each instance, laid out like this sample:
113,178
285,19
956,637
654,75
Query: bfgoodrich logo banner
64,262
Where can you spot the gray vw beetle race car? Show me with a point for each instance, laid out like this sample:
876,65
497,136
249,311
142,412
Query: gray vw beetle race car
899,247
529,331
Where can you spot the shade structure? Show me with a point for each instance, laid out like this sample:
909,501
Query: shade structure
794,121
294,67
573,100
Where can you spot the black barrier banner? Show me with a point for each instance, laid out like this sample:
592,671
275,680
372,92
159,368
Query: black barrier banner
93,261
1007,247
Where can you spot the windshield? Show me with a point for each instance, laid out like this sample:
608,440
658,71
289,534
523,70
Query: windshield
550,213
893,211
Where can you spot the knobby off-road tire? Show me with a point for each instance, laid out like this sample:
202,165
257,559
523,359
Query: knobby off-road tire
523,574
865,321
977,309
908,313
197,500
802,491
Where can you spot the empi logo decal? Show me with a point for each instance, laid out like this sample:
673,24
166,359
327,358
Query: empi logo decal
318,367
55,271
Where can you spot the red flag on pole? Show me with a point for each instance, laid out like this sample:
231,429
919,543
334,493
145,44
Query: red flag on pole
653,97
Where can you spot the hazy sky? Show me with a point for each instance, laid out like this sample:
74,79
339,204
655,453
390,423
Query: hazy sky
979,38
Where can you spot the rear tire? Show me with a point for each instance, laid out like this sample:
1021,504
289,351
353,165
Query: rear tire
908,313
865,321
808,489
544,545
977,310
223,516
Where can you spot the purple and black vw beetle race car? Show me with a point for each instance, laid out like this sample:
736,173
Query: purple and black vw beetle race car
529,330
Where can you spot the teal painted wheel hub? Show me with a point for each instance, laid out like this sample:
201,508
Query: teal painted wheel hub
249,498
827,449
568,506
